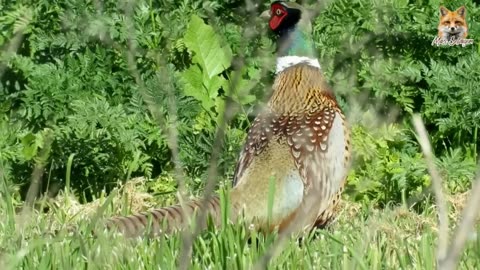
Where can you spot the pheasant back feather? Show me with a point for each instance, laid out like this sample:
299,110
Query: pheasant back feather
303,117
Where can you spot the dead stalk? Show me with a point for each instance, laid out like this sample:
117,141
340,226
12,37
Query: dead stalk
470,214
442,243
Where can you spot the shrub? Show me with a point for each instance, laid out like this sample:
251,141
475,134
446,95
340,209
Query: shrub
121,85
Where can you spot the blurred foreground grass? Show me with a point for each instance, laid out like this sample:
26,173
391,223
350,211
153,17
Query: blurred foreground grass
362,238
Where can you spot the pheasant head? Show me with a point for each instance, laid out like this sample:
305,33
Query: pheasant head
299,85
291,23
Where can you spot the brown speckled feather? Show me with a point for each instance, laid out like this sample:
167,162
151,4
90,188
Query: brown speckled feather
305,133
301,113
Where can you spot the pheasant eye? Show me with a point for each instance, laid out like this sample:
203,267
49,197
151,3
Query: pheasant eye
278,15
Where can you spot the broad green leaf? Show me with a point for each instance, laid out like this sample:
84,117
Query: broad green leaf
192,79
29,149
201,88
202,40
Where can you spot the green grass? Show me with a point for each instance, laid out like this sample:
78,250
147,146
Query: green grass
108,103
362,238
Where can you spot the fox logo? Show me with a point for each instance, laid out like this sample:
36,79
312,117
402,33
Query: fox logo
453,25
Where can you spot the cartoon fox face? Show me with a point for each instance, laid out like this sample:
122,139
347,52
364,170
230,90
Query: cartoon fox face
452,23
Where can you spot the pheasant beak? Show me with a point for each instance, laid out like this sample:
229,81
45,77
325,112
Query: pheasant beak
265,15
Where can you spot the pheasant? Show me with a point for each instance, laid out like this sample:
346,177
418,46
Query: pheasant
298,146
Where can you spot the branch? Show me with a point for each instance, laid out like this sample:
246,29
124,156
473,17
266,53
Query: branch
442,243
470,214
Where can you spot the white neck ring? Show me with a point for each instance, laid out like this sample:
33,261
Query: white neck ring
288,61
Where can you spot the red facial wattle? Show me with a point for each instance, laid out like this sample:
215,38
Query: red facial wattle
278,13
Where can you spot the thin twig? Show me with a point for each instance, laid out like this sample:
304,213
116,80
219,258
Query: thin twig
442,243
471,212
212,172
169,127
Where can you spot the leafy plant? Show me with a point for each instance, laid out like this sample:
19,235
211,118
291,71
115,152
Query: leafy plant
110,81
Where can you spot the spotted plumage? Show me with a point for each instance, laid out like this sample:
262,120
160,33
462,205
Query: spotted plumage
305,133
303,123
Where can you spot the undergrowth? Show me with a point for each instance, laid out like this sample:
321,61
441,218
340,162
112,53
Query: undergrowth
362,238
94,94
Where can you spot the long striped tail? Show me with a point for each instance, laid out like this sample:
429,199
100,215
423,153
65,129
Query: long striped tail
167,219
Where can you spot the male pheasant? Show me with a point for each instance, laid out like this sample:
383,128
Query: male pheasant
298,146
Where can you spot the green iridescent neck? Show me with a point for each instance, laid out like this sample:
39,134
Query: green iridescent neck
296,42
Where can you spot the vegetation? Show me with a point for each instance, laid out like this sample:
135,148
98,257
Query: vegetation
95,93
363,238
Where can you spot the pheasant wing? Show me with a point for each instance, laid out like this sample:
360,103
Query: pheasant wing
258,137
319,146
